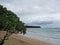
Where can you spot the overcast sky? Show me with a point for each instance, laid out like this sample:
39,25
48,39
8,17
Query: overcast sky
45,13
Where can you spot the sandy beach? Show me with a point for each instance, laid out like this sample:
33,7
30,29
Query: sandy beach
22,40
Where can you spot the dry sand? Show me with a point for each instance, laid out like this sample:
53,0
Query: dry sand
22,40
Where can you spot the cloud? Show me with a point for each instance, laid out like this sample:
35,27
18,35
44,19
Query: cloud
41,6
43,23
41,12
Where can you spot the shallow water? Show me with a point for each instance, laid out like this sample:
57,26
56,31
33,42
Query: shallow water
51,35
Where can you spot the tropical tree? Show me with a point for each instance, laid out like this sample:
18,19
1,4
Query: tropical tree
10,23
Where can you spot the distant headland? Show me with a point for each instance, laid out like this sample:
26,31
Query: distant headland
32,26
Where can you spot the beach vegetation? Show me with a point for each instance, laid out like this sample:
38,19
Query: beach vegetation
10,23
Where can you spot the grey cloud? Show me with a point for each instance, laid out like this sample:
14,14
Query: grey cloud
43,22
35,8
45,6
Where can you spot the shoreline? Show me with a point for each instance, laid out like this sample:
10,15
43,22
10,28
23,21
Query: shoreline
22,40
15,39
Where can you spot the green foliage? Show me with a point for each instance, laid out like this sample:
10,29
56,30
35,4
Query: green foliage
10,22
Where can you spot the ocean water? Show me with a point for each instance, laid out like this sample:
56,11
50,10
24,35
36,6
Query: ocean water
51,35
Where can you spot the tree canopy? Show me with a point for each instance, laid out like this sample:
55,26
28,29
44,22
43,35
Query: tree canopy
10,22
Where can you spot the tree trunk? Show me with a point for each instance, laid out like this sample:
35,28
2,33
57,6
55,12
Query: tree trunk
3,40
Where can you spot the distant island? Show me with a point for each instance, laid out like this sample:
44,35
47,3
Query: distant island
32,26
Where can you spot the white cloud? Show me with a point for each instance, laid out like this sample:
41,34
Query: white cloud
35,10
